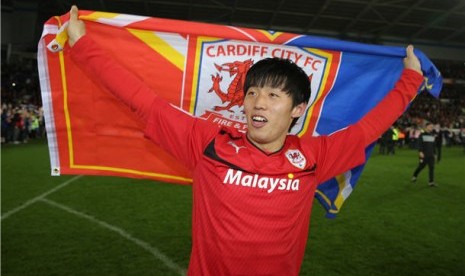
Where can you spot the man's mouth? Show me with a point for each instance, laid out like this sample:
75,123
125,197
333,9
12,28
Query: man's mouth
258,121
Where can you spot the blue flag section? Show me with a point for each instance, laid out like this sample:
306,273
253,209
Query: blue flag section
366,74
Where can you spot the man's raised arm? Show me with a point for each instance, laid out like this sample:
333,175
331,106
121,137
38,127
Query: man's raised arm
344,150
380,118
97,63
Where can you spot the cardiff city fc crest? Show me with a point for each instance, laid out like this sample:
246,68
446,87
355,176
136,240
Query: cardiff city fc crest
296,158
223,65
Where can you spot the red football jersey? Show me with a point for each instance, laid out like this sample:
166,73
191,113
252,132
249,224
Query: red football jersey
251,209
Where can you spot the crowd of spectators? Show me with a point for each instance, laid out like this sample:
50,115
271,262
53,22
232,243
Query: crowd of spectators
447,113
22,114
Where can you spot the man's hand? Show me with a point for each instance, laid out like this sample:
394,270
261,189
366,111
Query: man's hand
76,28
411,61
421,155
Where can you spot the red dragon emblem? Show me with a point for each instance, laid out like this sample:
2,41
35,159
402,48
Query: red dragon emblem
234,96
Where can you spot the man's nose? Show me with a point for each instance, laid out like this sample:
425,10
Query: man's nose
260,101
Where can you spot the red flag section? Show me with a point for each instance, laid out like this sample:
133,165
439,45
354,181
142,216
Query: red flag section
198,67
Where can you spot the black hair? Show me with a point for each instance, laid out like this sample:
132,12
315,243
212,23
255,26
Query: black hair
283,74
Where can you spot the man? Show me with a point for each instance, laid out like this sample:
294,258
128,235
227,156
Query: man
253,190
427,154
395,139
439,132
386,139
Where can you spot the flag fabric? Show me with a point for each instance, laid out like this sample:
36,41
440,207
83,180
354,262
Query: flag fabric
200,68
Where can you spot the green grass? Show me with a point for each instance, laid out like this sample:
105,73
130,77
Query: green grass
388,226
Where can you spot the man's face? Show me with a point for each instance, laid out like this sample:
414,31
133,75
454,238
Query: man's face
269,114
429,127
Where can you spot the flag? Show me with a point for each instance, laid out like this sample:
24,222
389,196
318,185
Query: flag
200,68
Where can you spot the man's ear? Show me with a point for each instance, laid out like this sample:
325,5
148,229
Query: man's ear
298,110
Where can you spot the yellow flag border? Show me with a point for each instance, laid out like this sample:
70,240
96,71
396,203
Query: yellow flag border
72,164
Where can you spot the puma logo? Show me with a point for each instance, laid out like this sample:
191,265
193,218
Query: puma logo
235,146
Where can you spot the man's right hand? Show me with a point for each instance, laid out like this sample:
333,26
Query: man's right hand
76,28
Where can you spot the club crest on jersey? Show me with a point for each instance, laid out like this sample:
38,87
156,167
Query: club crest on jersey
296,158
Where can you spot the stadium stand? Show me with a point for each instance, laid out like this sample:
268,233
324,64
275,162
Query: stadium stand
22,116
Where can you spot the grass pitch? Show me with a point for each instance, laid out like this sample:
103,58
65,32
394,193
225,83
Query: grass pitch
115,226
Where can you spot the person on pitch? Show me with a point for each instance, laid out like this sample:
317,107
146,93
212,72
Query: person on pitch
427,154
253,190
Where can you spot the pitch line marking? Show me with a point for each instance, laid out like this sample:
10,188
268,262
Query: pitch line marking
154,251
35,199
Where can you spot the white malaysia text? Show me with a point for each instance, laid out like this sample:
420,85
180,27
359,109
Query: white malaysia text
237,177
